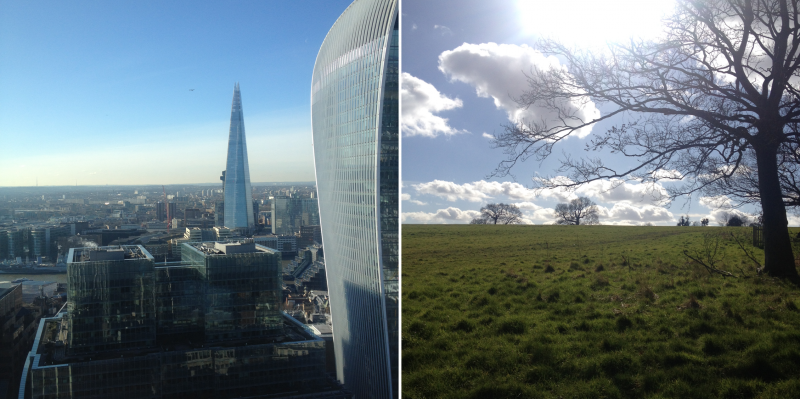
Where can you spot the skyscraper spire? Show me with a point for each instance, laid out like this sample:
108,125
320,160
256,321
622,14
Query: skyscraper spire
238,192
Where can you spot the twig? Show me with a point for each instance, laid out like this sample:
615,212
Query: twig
710,268
746,252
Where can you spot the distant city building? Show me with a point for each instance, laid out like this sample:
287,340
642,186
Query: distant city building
161,211
238,192
354,116
290,214
209,326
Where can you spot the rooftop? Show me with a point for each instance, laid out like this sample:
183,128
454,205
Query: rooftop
52,340
114,252
229,247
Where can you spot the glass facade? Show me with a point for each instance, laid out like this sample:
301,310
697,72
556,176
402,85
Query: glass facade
111,302
238,192
206,327
242,293
354,109
288,215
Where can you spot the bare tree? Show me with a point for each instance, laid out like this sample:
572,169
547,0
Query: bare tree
684,221
718,87
704,222
578,211
499,214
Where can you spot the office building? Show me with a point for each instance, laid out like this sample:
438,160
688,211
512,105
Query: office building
354,114
290,214
238,210
161,211
208,326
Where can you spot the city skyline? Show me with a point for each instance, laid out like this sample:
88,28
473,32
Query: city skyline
86,85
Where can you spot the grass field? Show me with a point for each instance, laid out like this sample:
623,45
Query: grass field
591,312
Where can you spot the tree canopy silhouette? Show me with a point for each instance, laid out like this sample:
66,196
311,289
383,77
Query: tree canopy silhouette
499,214
578,211
715,96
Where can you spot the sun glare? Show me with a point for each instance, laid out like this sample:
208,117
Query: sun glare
591,22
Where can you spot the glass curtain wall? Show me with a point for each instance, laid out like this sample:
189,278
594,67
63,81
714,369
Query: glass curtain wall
354,122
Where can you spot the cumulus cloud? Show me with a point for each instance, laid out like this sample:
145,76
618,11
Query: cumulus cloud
420,102
616,190
475,192
488,136
445,31
718,202
497,71
629,214
449,215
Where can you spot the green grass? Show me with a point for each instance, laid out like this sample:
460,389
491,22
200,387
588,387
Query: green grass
590,312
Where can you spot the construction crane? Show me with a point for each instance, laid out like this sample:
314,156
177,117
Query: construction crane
166,205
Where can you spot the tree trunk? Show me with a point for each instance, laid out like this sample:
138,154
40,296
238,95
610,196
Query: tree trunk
778,257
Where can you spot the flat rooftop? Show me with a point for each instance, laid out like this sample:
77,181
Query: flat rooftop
114,252
212,248
52,342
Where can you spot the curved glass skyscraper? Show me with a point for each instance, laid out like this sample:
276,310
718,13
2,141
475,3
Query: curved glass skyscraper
238,192
354,114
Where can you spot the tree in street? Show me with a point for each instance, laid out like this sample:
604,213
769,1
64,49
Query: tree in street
578,211
717,96
499,214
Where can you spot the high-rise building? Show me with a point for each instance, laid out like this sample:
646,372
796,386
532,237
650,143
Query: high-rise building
354,114
289,214
238,192
209,326
161,210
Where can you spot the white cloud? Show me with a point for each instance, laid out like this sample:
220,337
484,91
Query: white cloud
420,101
445,31
601,191
449,215
616,190
488,136
451,191
413,26
405,196
718,202
498,71
475,192
626,213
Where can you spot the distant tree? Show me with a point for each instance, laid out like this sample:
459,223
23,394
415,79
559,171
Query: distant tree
578,211
499,214
732,219
704,222
684,221
648,224
696,224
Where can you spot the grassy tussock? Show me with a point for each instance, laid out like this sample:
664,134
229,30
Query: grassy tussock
589,312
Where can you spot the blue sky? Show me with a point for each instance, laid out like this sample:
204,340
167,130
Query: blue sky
98,92
462,64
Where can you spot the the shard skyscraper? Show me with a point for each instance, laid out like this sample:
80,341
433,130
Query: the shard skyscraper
238,192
